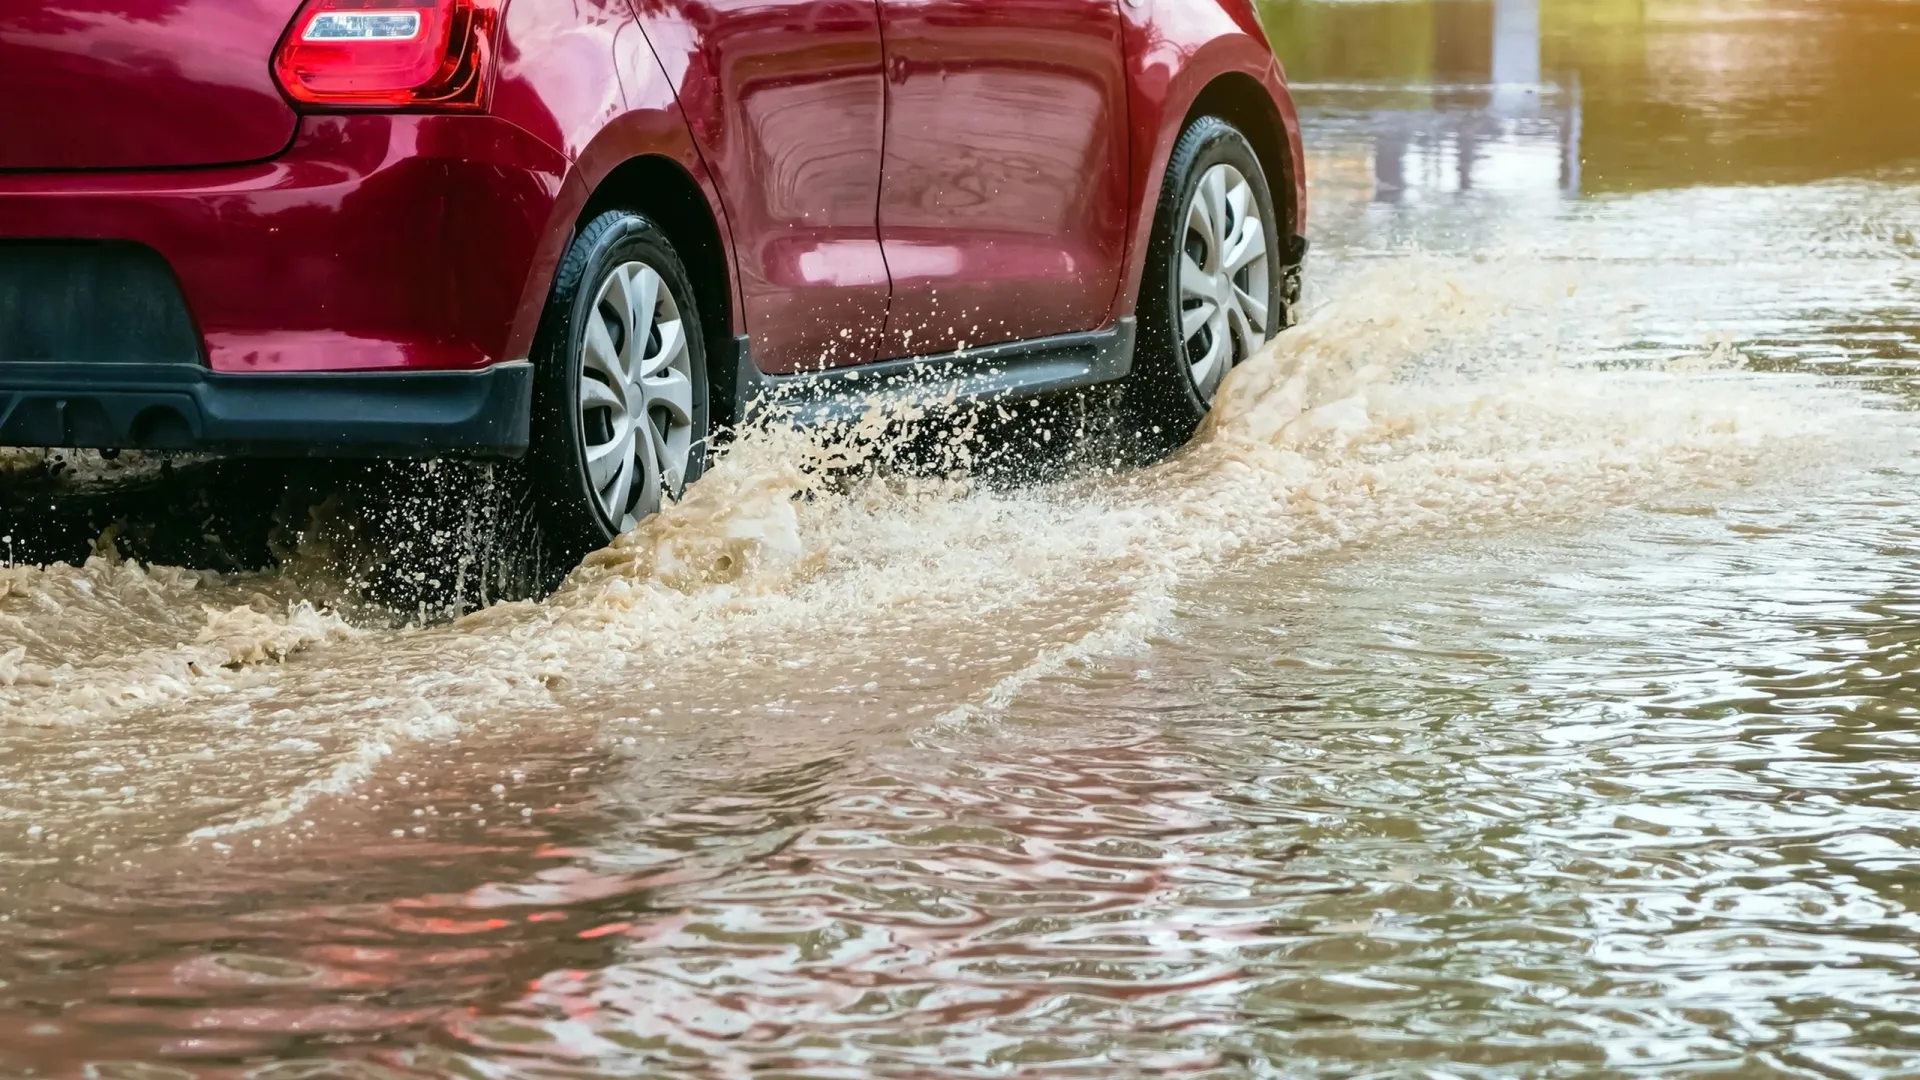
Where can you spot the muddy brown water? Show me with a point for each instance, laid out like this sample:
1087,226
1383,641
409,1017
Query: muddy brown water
1518,678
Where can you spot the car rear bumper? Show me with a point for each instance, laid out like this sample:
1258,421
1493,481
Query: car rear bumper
167,406
373,291
376,242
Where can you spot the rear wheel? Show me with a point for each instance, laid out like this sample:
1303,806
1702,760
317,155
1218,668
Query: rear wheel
619,428
1211,293
620,402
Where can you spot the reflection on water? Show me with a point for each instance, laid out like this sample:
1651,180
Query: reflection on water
1516,679
1448,98
1505,139
1635,94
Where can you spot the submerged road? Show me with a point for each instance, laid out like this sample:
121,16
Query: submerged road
1516,678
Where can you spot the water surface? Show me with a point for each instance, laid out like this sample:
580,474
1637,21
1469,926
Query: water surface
1517,678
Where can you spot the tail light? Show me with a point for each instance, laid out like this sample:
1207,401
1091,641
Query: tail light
390,54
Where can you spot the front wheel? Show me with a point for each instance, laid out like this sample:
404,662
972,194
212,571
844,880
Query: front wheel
620,401
1211,294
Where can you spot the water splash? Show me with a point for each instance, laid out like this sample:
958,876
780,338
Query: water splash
1421,399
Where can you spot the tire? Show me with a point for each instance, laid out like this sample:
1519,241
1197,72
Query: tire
584,353
1175,375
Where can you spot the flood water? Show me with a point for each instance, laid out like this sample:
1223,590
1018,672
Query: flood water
1520,676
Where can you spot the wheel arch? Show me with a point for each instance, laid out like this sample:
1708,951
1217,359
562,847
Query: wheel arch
1212,59
645,160
666,192
1240,100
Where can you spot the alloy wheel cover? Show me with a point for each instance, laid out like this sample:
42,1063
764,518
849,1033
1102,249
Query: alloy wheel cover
1223,272
635,395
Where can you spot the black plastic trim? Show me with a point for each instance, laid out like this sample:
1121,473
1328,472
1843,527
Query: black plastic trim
92,301
330,414
1009,371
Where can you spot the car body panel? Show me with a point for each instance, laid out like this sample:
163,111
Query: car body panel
561,70
785,100
609,103
123,84
1004,198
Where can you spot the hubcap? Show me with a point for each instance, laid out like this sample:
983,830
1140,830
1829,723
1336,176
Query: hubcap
1224,288
635,395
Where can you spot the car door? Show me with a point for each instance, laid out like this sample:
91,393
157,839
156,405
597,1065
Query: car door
786,101
1003,196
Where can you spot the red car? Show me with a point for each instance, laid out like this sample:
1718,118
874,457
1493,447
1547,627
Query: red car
593,232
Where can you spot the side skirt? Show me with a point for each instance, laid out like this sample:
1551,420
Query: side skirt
1006,372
